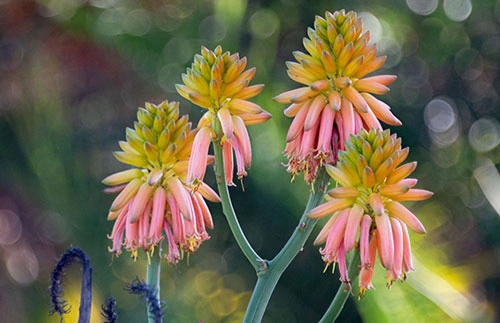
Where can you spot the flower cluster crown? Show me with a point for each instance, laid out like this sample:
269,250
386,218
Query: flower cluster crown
218,81
372,182
154,198
337,99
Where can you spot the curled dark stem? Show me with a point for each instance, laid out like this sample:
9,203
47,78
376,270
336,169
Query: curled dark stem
59,305
139,287
109,310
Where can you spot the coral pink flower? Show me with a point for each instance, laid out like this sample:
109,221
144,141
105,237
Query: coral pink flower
372,183
154,199
218,82
337,99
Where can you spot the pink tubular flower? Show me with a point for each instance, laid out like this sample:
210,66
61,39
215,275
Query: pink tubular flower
372,183
337,99
218,82
154,198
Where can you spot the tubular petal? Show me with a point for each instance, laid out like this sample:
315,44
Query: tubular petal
355,216
227,156
158,213
297,124
401,172
381,110
226,122
252,119
198,161
364,240
126,194
397,210
414,195
357,100
241,133
376,204
393,190
122,177
207,217
323,234
337,175
293,109
336,235
325,130
397,264
407,257
385,241
141,199
347,113
249,91
343,192
181,197
177,223
208,193
286,97
367,85
238,106
329,208
315,109
334,100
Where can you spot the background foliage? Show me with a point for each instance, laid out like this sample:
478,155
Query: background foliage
75,71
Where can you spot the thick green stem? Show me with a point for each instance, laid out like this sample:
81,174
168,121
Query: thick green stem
342,295
153,279
228,210
268,277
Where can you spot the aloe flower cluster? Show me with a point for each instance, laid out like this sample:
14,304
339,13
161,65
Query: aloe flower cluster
337,98
217,81
154,200
372,183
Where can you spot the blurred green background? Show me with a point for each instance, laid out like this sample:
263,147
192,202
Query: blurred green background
73,73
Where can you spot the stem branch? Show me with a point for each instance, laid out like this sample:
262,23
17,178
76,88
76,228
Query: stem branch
228,210
267,279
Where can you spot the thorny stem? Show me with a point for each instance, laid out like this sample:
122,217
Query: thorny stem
338,302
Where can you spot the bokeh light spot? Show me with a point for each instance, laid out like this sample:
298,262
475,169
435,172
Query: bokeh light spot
109,23
104,4
137,22
213,29
457,10
392,50
372,24
484,135
422,7
22,265
10,227
206,282
223,302
264,23
439,115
